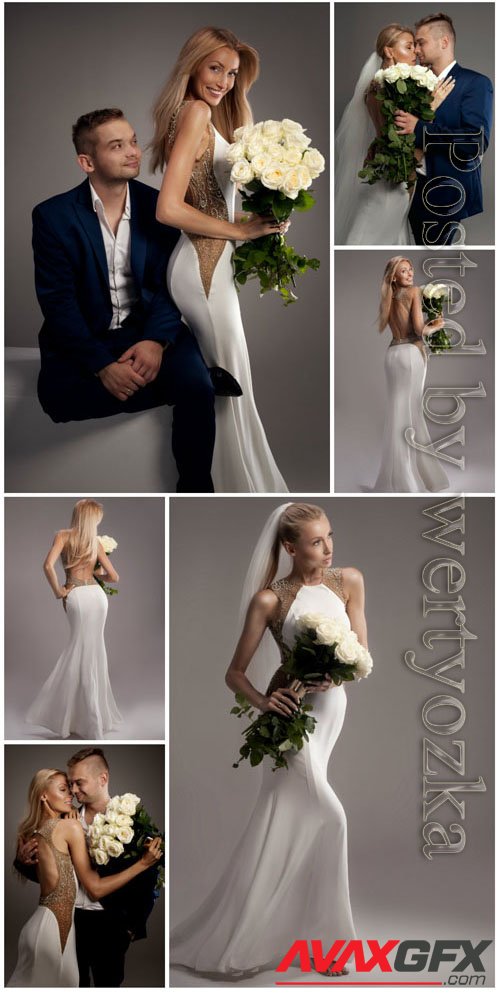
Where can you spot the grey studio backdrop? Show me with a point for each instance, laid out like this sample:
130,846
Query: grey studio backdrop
376,766
360,383
61,62
36,628
135,769
356,28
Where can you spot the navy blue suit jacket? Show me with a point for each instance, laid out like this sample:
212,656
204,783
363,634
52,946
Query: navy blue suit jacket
72,281
467,110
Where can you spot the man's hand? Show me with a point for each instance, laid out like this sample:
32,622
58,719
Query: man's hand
405,123
120,379
27,852
145,358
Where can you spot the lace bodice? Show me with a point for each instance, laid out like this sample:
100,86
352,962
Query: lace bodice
205,194
287,590
62,898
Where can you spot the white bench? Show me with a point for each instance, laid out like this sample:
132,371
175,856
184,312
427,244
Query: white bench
126,453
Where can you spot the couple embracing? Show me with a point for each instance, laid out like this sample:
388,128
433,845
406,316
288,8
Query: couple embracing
443,185
97,868
136,287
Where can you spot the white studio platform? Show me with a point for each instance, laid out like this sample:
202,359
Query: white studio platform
126,453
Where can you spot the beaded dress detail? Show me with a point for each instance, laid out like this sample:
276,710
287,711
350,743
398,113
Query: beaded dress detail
62,898
204,194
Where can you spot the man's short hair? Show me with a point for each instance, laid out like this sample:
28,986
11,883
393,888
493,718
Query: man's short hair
83,137
441,21
89,753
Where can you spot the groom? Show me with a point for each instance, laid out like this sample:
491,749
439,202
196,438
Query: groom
112,339
103,929
448,187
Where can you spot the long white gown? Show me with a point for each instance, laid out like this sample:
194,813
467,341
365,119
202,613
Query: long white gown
77,696
200,281
287,877
47,948
404,469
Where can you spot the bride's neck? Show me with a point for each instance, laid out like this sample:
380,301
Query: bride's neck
307,577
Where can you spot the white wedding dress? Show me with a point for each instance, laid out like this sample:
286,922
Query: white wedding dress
77,696
200,281
365,214
47,948
403,468
287,877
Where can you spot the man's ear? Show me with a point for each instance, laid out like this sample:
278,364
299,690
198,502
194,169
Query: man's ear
85,163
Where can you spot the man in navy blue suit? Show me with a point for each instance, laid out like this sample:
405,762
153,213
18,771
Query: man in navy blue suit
448,187
112,339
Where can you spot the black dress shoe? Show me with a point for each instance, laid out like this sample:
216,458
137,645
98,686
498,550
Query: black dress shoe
223,383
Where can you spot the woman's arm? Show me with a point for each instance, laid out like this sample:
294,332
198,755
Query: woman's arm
96,887
172,208
260,612
106,571
417,317
49,565
354,589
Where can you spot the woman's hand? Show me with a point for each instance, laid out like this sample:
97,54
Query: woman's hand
153,853
443,89
433,326
285,702
64,590
257,227
72,815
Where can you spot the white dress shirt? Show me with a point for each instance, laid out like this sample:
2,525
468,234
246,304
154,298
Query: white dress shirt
442,75
83,901
117,247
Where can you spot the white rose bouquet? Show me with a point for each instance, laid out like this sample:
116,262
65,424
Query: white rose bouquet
121,832
391,156
109,544
275,164
325,647
434,297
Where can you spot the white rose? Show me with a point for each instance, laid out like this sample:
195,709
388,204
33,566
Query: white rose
125,834
96,832
129,803
108,543
242,172
123,820
310,621
235,152
111,816
291,127
330,632
391,74
348,648
285,746
260,162
100,857
271,130
275,151
255,146
379,76
114,804
242,133
272,176
404,70
417,72
314,161
113,847
297,178
99,819
364,663
292,156
298,140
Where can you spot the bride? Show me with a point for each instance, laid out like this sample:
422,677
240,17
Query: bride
47,950
403,468
287,877
374,214
201,105
77,696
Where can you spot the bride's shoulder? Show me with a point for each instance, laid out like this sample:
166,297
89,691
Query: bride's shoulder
352,579
194,113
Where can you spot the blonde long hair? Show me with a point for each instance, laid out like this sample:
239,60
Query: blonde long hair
35,814
233,111
81,546
387,289
388,36
290,525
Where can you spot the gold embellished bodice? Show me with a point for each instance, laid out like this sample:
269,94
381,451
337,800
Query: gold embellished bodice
62,898
286,590
205,195
73,581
